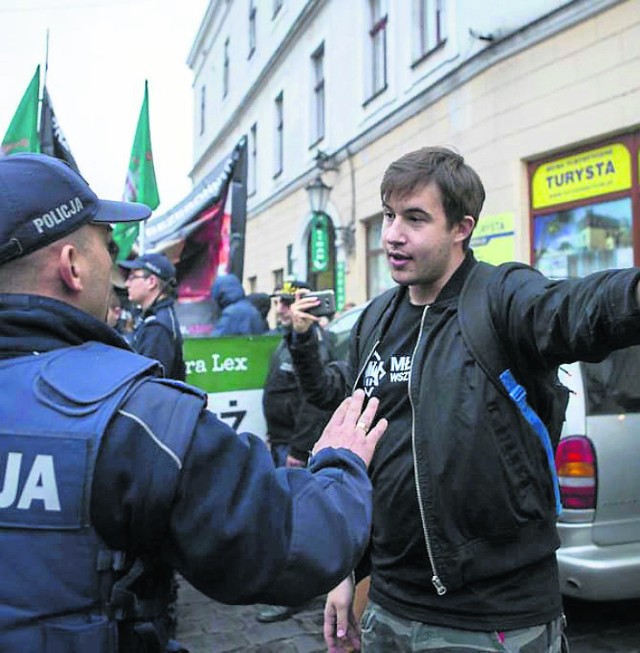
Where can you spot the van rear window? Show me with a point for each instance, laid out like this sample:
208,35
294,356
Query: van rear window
613,386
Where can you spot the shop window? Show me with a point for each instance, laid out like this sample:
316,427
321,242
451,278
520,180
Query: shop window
574,242
582,207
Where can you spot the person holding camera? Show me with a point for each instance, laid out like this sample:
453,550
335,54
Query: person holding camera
151,284
293,425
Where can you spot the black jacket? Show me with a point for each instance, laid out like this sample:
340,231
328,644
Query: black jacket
482,478
158,336
290,418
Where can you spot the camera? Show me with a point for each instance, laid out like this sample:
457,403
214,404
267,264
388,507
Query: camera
327,305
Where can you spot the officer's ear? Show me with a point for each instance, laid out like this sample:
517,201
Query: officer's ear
70,267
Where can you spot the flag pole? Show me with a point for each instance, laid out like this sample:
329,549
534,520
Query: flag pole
46,67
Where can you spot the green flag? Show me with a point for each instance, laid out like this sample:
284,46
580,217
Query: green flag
22,135
140,185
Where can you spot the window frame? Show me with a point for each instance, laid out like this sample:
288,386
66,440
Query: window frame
377,33
252,173
203,106
318,111
278,158
252,28
425,43
225,69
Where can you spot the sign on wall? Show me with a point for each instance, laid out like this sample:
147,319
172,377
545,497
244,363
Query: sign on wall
319,243
493,239
580,176
232,371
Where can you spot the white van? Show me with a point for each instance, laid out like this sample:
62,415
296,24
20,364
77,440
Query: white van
598,463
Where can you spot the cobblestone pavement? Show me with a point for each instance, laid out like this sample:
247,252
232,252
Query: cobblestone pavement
206,626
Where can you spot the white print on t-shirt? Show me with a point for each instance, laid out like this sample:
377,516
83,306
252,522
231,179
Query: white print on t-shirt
373,374
375,371
400,369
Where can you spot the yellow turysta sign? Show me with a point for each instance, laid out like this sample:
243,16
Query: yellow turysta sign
587,174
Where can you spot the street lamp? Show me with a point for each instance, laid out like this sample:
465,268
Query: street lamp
318,195
318,198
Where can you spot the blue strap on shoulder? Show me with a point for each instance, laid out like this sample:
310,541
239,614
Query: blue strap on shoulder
519,397
484,343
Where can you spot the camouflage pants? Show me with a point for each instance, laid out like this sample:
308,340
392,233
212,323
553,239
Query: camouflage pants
382,632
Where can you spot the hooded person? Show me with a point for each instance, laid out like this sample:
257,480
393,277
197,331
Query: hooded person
237,315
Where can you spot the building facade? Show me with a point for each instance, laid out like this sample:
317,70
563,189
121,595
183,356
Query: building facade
542,98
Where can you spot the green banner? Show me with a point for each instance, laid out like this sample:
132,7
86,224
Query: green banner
229,363
22,135
232,370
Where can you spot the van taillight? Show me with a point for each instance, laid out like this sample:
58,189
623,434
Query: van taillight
577,475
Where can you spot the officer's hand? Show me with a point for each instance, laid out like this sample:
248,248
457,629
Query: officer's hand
301,321
350,427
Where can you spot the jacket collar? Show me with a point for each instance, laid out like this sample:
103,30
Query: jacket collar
32,323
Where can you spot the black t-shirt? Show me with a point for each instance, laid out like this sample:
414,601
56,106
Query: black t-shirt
401,571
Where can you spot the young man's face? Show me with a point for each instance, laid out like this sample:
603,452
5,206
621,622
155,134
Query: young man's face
422,251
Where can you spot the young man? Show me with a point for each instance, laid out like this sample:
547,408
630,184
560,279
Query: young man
462,554
151,285
114,476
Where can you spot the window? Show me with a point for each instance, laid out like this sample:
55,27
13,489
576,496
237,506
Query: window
576,241
317,117
277,5
252,282
582,209
252,27
253,159
278,149
225,70
203,97
378,47
378,274
278,278
290,259
430,26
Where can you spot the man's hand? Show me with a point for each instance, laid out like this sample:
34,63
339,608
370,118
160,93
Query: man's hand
351,428
341,630
301,321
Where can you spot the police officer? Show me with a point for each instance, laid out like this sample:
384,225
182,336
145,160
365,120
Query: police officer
151,284
113,476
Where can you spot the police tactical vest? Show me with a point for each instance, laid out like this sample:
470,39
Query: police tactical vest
55,572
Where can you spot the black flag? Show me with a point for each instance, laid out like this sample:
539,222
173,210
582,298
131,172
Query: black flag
52,140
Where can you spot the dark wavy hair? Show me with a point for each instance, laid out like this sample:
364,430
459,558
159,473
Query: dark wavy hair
461,189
